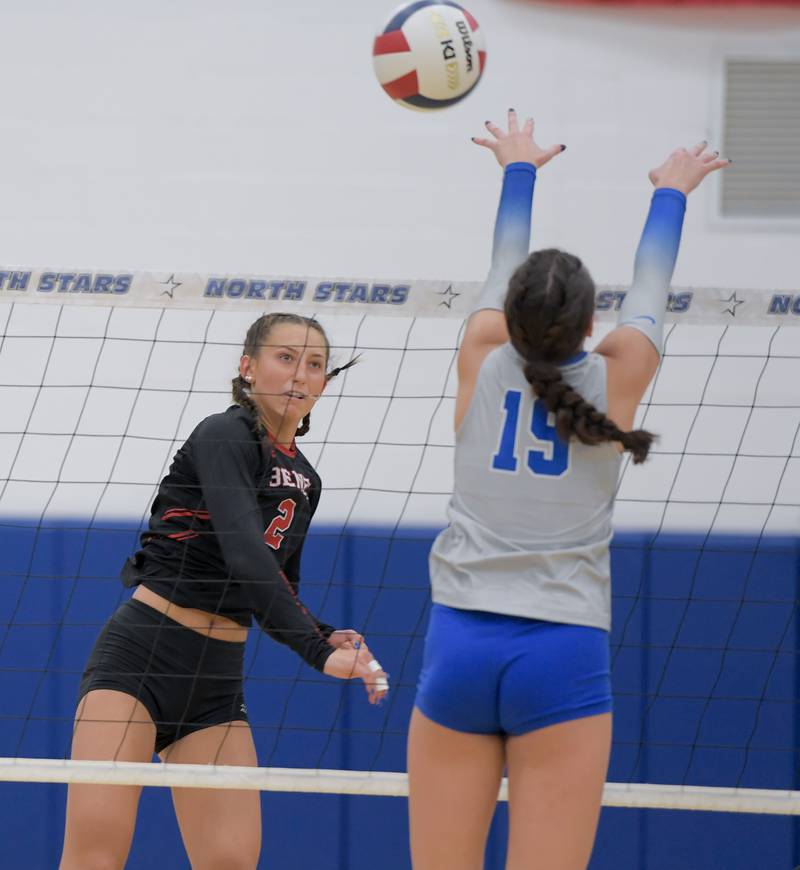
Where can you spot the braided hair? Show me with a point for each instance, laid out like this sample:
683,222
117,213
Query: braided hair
548,309
256,337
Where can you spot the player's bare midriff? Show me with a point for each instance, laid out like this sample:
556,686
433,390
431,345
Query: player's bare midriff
207,624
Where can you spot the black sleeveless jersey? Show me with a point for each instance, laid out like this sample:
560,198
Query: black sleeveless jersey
226,532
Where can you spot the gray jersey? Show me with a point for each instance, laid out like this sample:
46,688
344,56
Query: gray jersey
530,516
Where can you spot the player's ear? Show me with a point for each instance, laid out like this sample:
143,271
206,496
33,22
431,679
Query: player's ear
244,366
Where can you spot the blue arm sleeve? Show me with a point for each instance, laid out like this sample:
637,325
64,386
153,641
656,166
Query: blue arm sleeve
646,302
512,233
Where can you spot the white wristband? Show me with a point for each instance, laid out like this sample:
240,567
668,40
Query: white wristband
374,665
382,684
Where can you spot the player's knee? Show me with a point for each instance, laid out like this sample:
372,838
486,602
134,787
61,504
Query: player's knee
103,858
229,857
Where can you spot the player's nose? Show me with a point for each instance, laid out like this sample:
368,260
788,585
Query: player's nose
302,373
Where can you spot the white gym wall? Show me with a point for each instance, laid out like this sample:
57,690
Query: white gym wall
250,136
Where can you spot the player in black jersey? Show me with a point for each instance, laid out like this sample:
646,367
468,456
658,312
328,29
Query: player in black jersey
223,547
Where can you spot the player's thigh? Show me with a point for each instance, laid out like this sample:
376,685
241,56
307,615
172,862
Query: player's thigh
109,726
454,779
221,828
555,780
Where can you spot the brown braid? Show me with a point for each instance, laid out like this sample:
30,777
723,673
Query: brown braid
256,338
549,308
241,395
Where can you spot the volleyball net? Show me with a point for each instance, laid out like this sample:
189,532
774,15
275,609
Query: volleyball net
104,375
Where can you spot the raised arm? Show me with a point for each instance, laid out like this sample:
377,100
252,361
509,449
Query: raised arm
520,156
633,349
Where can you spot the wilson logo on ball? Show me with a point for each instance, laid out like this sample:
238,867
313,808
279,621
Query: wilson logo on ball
429,55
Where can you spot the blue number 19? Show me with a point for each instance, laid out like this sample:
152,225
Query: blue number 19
538,462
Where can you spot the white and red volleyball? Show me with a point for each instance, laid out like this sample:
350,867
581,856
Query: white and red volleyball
430,54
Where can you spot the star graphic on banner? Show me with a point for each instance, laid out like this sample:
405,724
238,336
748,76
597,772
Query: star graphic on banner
173,285
733,304
448,296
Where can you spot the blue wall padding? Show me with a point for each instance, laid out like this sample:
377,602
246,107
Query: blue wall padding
705,645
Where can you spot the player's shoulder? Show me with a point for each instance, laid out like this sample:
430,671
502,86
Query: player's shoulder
305,467
587,366
584,361
234,424
303,464
499,362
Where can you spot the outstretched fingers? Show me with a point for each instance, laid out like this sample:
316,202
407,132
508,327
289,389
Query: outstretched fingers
499,133
549,153
710,160
516,145
513,124
716,163
496,131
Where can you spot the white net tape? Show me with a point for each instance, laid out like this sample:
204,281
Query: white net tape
356,296
373,783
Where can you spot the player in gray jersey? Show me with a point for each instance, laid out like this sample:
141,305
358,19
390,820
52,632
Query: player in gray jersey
516,667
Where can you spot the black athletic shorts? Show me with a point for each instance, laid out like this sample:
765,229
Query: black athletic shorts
185,680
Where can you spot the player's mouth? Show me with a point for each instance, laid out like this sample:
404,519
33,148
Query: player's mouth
295,394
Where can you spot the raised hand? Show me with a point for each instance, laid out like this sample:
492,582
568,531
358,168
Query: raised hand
515,145
685,168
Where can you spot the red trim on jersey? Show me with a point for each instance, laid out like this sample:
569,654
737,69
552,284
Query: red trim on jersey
405,86
183,536
291,451
390,43
185,512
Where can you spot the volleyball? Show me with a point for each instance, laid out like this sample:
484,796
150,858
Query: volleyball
429,55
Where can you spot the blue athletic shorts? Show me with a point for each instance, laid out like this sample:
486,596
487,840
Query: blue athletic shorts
486,673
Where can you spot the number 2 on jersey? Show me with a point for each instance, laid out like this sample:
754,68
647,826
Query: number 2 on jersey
538,462
273,535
